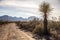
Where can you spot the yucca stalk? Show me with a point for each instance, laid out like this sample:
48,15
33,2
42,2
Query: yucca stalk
45,9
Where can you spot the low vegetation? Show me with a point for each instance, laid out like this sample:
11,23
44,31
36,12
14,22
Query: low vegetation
1,22
37,27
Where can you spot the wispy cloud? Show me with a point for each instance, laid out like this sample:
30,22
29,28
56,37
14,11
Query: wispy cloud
13,11
26,7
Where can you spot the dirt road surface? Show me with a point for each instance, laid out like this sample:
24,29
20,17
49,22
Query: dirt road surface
11,32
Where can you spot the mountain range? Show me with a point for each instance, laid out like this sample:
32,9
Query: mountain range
10,18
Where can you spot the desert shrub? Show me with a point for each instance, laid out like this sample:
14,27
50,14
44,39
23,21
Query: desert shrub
1,22
28,25
54,27
38,29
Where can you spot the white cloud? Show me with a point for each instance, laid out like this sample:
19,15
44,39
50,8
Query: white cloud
19,3
29,7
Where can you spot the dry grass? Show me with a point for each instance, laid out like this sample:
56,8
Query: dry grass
55,29
37,28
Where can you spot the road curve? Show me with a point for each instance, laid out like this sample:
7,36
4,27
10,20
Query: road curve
11,32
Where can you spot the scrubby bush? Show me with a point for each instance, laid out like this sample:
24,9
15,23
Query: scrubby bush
28,25
2,22
37,27
54,27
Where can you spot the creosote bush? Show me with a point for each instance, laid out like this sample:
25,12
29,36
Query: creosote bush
37,27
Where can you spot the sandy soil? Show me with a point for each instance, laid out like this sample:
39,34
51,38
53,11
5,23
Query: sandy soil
11,32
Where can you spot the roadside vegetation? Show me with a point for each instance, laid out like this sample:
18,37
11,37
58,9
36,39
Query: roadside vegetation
37,27
2,22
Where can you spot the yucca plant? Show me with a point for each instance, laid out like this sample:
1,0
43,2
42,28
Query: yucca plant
45,9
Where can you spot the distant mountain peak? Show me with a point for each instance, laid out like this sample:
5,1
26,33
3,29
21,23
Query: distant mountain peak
9,18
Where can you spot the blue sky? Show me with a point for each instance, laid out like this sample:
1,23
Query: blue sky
26,8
